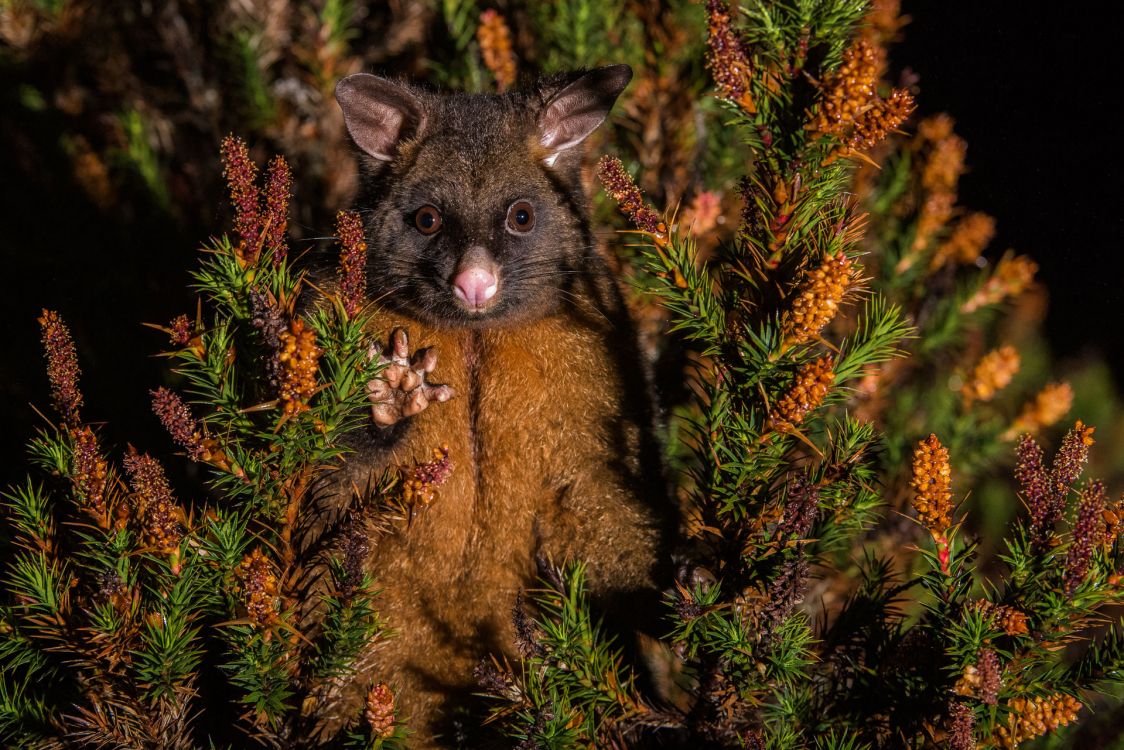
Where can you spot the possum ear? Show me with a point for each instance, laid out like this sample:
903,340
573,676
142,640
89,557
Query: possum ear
379,114
576,111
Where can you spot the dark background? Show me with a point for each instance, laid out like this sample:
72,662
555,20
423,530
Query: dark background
1031,92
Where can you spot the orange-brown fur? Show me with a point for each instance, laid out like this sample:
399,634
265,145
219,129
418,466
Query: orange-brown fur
551,430
546,462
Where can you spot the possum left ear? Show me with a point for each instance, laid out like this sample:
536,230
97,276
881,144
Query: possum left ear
379,114
577,110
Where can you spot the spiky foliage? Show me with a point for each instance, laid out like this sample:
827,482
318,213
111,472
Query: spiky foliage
118,588
779,478
813,237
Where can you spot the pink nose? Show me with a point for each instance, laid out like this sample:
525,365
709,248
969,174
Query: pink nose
475,286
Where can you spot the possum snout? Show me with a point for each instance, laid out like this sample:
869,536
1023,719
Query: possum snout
476,280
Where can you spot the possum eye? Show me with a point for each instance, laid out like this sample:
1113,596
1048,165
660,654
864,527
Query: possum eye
521,217
427,220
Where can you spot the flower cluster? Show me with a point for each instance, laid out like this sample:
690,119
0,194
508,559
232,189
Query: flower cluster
800,508
942,156
982,679
1010,620
850,107
355,548
811,386
1088,535
495,47
242,180
1034,717
89,473
380,710
258,588
992,374
817,300
353,261
181,331
275,220
1012,276
931,483
1047,407
847,92
621,187
176,417
1044,492
419,484
161,520
726,58
62,367
966,242
260,221
298,361
961,727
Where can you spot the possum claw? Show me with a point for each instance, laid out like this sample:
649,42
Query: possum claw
401,389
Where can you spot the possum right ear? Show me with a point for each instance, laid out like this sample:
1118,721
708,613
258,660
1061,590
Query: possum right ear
379,114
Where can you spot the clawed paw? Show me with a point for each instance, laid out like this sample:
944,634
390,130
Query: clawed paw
401,389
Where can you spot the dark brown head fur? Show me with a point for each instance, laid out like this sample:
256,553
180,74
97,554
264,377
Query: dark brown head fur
484,164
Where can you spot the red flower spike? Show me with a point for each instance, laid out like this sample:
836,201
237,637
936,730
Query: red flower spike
176,417
278,192
62,367
726,59
241,178
353,261
1088,534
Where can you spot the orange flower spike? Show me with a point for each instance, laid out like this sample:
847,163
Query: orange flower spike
1048,407
1034,717
299,359
881,117
934,215
813,382
817,300
945,161
495,47
88,473
419,486
969,237
258,588
1012,276
1010,620
992,374
380,711
161,520
1113,518
885,18
849,90
932,498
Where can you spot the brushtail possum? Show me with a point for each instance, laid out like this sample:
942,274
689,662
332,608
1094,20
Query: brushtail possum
483,269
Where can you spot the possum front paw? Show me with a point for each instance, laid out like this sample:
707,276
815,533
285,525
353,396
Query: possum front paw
401,389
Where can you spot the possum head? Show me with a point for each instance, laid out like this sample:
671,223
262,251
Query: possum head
473,203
